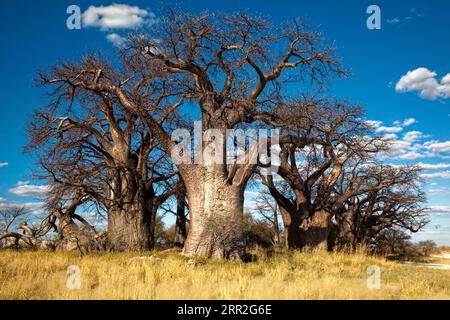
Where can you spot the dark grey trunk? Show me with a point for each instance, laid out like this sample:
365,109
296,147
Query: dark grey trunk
346,234
301,233
315,230
130,227
276,227
291,222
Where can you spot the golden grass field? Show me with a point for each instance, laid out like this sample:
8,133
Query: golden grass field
307,275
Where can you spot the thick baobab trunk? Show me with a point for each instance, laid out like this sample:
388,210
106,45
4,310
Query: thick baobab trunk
312,232
292,224
130,228
315,230
216,211
131,212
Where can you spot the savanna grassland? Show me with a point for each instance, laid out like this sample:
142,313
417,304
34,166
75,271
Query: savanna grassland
306,275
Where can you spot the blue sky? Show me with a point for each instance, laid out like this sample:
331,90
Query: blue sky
411,109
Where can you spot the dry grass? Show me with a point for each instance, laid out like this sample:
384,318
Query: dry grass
309,275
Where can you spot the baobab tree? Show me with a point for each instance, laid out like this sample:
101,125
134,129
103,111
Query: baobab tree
337,133
373,198
234,69
89,143
73,231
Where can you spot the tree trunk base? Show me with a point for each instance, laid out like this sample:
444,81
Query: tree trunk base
216,213
129,229
314,232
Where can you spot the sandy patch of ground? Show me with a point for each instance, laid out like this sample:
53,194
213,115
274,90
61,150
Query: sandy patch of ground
439,266
441,256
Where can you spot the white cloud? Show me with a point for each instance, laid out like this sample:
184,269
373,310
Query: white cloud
409,147
3,164
406,148
33,207
394,129
117,16
414,13
424,82
437,192
393,20
445,82
429,166
437,146
408,122
374,123
440,209
412,155
412,147
397,127
413,136
437,175
390,137
24,189
116,40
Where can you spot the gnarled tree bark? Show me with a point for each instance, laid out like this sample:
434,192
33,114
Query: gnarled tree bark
216,208
315,231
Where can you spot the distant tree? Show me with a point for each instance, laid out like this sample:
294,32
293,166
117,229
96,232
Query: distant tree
267,207
372,198
11,217
335,133
258,232
426,247
160,232
396,244
391,242
181,219
17,231
177,234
